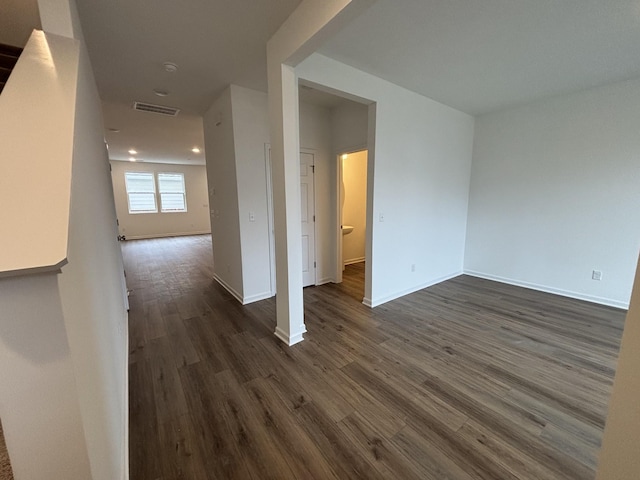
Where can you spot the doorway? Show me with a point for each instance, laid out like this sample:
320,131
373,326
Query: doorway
352,217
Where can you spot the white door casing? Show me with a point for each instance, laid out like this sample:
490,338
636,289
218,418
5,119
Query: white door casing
307,199
307,213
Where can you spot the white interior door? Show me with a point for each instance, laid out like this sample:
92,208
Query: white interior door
308,217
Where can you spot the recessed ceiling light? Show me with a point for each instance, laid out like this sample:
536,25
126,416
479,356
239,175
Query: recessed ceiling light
132,152
195,150
114,130
132,159
160,93
170,67
344,156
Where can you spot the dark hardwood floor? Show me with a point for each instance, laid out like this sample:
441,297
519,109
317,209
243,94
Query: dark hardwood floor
469,379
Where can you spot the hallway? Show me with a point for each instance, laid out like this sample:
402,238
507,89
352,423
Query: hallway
468,379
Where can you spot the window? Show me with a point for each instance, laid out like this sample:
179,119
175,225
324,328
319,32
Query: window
172,194
141,192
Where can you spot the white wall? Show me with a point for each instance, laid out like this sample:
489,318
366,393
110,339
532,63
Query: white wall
315,137
93,291
554,194
223,194
251,134
63,338
419,169
37,145
354,206
39,402
349,127
150,225
619,458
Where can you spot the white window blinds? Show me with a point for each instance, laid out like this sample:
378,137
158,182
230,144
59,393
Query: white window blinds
172,192
141,192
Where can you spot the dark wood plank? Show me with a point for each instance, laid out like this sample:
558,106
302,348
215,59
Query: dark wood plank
468,379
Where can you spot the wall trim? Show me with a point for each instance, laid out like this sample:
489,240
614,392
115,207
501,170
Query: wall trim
556,291
324,281
164,235
351,261
228,288
379,301
289,339
256,298
125,446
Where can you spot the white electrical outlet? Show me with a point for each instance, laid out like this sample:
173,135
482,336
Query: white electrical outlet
252,217
596,275
413,267
381,217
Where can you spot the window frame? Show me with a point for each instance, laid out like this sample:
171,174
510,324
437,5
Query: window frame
183,192
129,193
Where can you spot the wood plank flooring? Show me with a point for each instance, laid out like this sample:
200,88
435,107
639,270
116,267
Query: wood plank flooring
468,379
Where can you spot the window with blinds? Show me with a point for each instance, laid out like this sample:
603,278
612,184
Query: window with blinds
172,192
141,192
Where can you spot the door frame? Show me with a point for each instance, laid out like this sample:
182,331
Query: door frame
338,264
314,152
270,221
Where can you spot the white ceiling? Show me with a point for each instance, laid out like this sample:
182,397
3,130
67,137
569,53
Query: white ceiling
156,138
481,56
213,42
476,56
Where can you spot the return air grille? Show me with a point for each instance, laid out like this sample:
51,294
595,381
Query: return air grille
159,109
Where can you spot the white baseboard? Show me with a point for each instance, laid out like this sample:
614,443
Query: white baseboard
556,291
228,288
354,260
289,339
374,302
243,300
164,235
256,298
323,281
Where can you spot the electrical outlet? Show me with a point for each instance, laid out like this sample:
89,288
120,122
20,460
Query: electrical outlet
381,217
252,217
413,267
596,275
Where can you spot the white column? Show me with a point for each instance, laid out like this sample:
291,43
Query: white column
313,22
285,154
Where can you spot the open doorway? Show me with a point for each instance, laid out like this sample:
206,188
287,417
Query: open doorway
352,219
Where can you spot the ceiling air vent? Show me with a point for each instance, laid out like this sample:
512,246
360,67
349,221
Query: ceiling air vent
159,109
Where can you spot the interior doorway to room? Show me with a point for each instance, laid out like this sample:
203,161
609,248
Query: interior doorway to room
352,216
